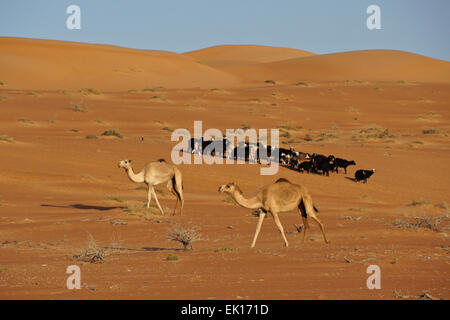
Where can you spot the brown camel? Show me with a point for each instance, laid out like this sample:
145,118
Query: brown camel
281,196
155,173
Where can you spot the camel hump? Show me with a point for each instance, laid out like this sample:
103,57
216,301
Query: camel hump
161,160
282,180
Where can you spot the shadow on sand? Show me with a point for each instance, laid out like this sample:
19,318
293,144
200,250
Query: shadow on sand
84,207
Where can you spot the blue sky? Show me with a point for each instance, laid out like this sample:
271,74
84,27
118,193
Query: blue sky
320,26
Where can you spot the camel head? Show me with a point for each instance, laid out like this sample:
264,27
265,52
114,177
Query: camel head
125,164
228,188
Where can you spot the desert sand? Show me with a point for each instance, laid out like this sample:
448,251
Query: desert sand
384,109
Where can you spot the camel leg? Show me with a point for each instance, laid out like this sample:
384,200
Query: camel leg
157,202
149,195
314,217
306,225
258,228
280,227
170,187
302,210
178,186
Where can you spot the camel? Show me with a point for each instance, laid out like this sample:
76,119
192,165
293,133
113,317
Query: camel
281,196
155,173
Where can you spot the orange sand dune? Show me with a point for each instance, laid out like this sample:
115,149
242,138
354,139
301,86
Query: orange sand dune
369,65
233,55
46,64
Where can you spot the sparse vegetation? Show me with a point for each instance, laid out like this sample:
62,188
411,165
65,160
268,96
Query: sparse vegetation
431,131
421,202
99,121
113,132
185,236
270,81
245,126
91,136
422,222
115,198
324,136
255,100
25,120
78,106
167,129
308,137
6,138
302,83
351,109
429,116
373,132
88,177
93,253
442,205
171,257
224,249
87,91
117,222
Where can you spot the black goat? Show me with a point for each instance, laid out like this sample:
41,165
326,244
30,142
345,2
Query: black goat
363,175
307,166
217,147
322,163
342,163
325,165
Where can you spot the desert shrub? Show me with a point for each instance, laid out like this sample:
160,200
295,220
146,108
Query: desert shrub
421,202
307,137
185,236
78,106
302,83
225,249
431,131
91,136
92,253
6,138
285,134
113,132
171,257
270,81
422,222
87,91
25,120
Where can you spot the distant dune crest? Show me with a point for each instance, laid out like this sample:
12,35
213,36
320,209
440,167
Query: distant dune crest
49,65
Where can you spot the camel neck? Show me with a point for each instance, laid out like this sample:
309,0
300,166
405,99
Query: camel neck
135,177
251,203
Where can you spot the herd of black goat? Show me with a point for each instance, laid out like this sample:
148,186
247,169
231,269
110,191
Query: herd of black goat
289,158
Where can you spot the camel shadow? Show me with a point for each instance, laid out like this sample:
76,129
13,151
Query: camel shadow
161,249
351,179
85,207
